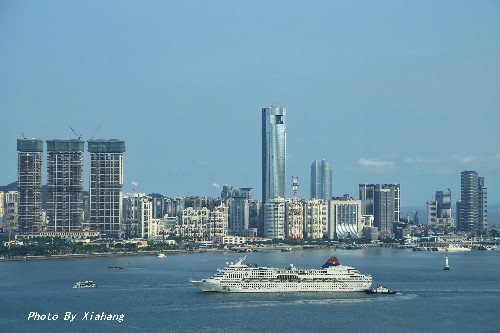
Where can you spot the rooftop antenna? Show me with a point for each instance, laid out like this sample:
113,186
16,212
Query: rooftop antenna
23,135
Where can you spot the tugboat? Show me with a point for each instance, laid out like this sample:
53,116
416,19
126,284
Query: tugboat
380,290
84,284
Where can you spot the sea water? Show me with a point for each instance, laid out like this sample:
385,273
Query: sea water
150,294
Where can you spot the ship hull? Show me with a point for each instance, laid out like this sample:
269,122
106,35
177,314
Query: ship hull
273,287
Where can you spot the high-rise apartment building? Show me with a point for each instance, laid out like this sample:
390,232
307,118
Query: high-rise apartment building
321,180
2,207
106,185
473,215
64,185
137,215
315,219
29,184
11,211
273,152
483,204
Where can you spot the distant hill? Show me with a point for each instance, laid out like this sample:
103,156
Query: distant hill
10,187
13,187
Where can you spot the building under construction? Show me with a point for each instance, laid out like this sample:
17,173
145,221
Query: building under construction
106,186
29,184
64,185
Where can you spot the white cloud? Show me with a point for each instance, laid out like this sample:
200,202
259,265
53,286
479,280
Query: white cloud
367,162
215,185
414,160
466,159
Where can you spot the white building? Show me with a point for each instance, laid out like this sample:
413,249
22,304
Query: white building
345,218
315,219
194,223
230,240
218,222
137,215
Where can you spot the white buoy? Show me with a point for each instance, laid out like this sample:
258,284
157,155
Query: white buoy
446,266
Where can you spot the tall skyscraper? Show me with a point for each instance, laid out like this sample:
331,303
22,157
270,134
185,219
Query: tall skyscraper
321,180
106,185
64,185
473,215
383,201
29,184
273,152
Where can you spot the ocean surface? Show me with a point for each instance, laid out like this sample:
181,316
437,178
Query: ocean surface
154,294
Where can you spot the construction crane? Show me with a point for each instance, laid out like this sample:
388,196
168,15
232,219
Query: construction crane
295,226
78,135
95,133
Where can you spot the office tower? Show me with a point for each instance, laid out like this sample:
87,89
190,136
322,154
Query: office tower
439,210
273,152
473,215
239,212
385,209
383,201
29,184
345,218
256,217
64,185
106,184
443,202
321,180
227,192
367,195
274,218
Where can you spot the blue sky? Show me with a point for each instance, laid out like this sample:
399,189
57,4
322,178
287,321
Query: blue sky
387,91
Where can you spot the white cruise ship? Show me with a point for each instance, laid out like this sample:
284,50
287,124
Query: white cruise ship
240,278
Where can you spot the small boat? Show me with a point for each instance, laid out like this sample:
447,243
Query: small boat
161,255
286,249
380,290
84,284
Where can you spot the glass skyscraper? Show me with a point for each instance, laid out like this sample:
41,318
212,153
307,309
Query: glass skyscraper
321,180
273,152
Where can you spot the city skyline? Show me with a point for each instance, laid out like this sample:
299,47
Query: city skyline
391,92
